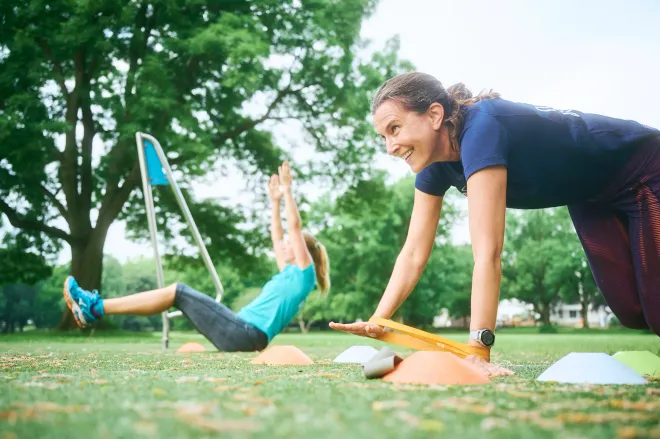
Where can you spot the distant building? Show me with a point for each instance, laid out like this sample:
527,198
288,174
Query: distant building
510,312
442,320
570,314
513,312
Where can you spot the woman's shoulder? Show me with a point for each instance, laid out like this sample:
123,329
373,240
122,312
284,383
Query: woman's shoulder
293,269
498,107
300,276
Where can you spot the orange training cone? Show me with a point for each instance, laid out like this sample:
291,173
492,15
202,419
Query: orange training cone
282,355
192,346
434,367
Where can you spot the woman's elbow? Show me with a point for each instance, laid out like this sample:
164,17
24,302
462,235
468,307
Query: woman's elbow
415,256
295,226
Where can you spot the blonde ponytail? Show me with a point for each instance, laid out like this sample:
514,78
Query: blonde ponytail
321,262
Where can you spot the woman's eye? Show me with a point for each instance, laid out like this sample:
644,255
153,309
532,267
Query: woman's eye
395,129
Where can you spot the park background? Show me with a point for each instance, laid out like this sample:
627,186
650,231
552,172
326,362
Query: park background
233,88
230,88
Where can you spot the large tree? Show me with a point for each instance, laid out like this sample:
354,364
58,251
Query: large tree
580,285
78,79
543,260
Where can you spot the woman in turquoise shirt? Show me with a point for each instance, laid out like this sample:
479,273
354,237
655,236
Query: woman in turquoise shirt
303,263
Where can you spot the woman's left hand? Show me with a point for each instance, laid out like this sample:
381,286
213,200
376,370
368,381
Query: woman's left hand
487,368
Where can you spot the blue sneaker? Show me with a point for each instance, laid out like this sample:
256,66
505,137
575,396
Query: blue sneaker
85,306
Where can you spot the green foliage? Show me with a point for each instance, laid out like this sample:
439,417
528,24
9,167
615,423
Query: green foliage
194,274
615,323
543,260
129,278
20,264
22,270
448,280
364,230
582,287
547,328
49,302
16,306
316,308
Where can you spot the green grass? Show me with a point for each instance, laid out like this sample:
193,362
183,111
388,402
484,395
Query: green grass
125,386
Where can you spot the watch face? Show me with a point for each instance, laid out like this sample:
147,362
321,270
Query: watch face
488,338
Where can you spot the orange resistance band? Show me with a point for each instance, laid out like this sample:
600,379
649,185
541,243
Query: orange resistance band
425,341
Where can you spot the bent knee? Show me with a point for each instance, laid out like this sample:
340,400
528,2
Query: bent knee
654,326
634,321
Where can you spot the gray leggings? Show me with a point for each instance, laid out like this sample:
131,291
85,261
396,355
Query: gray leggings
219,324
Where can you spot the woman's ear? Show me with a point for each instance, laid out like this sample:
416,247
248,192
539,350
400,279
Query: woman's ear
436,112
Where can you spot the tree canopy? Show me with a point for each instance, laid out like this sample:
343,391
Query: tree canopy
78,79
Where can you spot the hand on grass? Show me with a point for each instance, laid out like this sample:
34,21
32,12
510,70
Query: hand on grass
363,329
487,368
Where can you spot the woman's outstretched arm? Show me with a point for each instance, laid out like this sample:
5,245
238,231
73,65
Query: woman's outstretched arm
409,264
276,230
487,212
487,209
293,222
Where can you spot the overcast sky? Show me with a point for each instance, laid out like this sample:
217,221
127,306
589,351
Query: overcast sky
593,56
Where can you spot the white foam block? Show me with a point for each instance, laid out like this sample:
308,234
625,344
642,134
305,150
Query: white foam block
356,354
591,368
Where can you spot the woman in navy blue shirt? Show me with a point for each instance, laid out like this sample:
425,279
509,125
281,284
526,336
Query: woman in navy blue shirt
505,154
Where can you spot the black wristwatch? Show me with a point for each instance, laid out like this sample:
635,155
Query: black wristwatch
485,337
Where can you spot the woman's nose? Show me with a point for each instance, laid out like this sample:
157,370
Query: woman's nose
391,146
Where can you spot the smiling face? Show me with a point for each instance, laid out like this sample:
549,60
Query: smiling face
418,138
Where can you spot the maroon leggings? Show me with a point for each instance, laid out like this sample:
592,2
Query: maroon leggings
620,233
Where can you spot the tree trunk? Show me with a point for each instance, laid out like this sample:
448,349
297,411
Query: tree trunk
86,268
585,311
301,324
544,310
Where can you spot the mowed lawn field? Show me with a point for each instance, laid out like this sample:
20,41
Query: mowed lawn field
127,387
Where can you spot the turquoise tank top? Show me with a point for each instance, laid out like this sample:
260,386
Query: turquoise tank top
280,299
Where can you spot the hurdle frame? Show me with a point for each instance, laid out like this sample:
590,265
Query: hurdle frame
140,139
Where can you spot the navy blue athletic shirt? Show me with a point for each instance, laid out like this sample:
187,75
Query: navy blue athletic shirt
553,157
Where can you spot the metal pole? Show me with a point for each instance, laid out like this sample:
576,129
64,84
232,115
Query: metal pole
184,208
151,219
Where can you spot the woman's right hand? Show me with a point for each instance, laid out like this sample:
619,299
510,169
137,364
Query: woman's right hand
285,174
487,368
363,329
274,191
